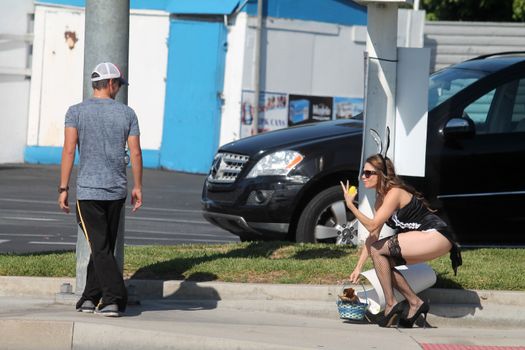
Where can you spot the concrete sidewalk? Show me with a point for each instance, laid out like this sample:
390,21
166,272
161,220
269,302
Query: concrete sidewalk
27,323
215,315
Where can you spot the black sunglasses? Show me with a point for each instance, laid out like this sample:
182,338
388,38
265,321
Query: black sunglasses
368,173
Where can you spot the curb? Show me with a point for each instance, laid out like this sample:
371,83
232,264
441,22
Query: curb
448,306
187,290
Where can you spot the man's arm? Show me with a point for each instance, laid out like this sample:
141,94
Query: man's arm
68,158
135,154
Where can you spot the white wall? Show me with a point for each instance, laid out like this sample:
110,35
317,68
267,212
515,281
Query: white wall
15,23
300,57
57,73
303,57
297,57
148,62
233,76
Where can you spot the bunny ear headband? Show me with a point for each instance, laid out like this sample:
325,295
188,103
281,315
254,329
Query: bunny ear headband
379,143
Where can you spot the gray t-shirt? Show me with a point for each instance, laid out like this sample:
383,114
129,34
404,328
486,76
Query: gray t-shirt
103,127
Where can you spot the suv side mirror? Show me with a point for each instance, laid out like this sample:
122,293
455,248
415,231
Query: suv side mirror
459,128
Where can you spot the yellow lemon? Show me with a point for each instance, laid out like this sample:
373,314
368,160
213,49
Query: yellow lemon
352,190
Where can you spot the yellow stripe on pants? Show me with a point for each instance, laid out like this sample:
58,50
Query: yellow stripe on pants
83,225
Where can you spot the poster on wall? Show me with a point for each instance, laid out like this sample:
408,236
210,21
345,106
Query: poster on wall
273,112
309,108
347,107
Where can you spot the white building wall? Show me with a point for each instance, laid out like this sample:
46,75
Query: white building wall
304,57
57,73
233,77
15,40
297,57
148,62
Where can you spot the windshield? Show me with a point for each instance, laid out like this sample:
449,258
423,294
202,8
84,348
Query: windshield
449,81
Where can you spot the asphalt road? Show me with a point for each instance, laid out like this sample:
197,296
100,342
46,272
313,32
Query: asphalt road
30,220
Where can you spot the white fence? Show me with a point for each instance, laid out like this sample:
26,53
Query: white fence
453,42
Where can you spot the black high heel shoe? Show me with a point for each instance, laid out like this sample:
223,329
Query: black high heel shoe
392,316
409,322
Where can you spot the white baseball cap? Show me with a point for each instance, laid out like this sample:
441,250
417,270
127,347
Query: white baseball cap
107,70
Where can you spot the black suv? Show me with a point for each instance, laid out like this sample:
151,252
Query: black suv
285,184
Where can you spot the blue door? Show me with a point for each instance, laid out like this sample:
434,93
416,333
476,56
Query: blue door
192,115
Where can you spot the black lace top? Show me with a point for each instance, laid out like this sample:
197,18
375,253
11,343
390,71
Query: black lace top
415,216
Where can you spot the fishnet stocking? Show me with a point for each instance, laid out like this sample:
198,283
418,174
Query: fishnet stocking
386,254
380,256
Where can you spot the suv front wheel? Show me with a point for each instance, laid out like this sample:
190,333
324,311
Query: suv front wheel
326,219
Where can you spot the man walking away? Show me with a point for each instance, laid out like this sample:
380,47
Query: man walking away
101,127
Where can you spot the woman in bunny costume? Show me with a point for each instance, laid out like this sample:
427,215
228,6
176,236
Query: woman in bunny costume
420,236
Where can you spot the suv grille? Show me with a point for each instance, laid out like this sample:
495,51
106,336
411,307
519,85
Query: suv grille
226,167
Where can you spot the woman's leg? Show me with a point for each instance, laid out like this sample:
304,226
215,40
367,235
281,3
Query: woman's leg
379,251
417,247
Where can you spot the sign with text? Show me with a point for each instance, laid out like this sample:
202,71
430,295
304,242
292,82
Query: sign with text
273,112
309,108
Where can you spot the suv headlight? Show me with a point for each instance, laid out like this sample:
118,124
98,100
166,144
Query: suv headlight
277,163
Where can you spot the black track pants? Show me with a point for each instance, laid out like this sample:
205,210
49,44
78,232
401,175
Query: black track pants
99,220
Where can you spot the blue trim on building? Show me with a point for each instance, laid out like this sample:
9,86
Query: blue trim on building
77,3
53,155
343,12
202,7
44,155
192,113
151,158
134,4
207,7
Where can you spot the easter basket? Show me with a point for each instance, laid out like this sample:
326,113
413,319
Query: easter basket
351,308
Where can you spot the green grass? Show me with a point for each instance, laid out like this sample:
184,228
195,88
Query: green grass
274,262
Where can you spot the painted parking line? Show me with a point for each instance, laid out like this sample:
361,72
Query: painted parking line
27,201
54,203
26,218
200,222
26,235
3,241
31,212
52,243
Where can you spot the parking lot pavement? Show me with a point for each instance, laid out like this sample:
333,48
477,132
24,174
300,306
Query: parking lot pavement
30,220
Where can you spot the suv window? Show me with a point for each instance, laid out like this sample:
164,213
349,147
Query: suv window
448,82
501,110
478,111
518,113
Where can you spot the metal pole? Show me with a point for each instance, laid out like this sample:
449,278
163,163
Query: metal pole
380,75
106,40
257,65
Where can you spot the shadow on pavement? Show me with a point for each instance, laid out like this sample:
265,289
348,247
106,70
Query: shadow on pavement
188,297
150,280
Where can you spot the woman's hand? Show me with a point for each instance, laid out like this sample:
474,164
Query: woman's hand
350,192
354,276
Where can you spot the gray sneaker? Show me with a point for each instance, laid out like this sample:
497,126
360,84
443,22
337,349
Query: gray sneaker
87,306
110,310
